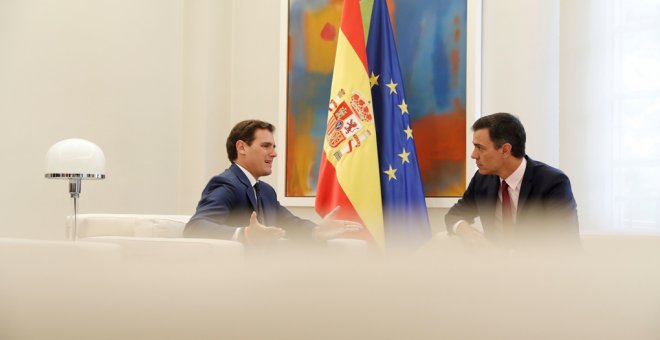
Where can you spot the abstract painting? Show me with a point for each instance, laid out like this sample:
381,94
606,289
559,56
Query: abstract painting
431,43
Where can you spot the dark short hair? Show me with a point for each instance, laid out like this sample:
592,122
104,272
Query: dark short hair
504,128
245,131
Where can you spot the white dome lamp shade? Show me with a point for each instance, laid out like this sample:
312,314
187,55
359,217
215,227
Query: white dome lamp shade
75,159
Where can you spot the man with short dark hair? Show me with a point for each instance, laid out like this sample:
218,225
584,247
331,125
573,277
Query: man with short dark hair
235,205
520,201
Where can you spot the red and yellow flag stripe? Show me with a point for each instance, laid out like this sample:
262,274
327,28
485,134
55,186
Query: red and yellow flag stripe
349,174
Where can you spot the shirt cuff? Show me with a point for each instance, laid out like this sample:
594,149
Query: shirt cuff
453,228
237,234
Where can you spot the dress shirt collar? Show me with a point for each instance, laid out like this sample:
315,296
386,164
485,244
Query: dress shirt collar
249,176
514,181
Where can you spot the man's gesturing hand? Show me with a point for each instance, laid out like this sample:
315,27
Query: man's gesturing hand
331,228
256,232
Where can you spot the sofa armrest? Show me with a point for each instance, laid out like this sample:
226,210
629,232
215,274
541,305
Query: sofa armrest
139,225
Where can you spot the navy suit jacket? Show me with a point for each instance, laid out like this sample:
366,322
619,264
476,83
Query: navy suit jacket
227,203
547,210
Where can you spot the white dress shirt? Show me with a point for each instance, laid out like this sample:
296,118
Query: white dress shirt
514,181
251,178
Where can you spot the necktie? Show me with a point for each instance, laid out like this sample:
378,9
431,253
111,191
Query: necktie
507,215
260,208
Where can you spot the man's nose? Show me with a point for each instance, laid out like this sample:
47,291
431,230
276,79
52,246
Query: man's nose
474,154
274,153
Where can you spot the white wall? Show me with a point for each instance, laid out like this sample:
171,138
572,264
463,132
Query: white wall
207,110
157,84
104,70
520,73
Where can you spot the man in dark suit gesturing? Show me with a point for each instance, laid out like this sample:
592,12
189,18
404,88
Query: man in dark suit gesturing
235,205
520,201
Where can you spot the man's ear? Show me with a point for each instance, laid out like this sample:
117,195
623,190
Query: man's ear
240,147
506,149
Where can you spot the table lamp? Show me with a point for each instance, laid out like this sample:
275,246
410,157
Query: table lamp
75,159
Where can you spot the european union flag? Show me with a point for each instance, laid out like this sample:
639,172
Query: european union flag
404,208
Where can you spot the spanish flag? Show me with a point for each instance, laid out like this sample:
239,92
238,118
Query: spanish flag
349,175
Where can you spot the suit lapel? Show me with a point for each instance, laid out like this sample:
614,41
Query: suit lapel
526,186
249,190
488,214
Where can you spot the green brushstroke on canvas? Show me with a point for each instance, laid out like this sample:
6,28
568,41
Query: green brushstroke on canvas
366,6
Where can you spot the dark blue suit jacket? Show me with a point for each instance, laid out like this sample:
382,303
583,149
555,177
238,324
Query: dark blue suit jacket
547,210
227,203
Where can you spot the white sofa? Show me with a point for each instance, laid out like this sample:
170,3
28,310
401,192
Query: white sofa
154,238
